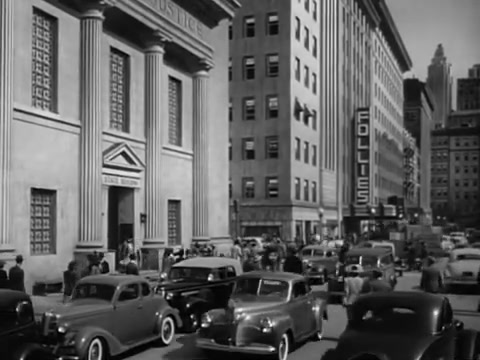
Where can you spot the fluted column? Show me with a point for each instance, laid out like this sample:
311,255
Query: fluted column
200,152
153,121
91,30
6,115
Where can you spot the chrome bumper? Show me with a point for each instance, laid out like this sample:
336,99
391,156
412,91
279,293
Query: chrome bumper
256,349
68,357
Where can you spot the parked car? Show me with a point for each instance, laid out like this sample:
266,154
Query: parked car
405,326
19,337
320,262
108,315
463,267
196,285
366,260
267,314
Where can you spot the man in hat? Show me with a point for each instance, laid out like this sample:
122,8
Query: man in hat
432,277
353,288
3,276
376,283
16,275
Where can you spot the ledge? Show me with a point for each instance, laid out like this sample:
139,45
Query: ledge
124,136
178,151
45,115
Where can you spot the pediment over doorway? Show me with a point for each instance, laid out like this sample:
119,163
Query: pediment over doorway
121,156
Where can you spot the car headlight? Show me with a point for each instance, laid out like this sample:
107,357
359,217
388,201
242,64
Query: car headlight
206,320
169,296
266,324
62,330
67,337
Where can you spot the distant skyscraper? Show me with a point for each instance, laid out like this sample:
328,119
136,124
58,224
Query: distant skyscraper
468,90
439,80
474,72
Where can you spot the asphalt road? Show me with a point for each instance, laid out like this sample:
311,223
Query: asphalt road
184,347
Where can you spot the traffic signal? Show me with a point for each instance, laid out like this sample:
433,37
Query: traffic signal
400,208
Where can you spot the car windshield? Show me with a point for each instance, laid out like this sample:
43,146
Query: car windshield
468,257
313,252
261,287
385,319
363,260
93,291
189,273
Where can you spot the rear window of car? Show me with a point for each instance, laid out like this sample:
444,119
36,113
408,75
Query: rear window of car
364,260
94,291
468,257
385,319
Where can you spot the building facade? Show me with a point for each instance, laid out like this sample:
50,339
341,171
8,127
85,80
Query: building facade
105,131
274,122
439,81
474,71
418,120
468,90
412,174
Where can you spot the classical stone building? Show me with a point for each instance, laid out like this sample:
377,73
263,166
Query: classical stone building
112,126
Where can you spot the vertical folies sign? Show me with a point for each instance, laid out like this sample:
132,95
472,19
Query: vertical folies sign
362,150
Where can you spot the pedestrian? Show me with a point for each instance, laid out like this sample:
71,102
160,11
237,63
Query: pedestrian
432,277
16,275
3,276
292,263
104,265
376,283
236,252
132,267
70,279
424,254
353,288
411,256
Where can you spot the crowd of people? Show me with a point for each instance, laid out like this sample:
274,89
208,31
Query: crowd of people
15,278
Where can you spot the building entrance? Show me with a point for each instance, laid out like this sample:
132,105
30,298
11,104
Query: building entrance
120,220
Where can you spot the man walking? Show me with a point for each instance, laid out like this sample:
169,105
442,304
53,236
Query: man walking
432,277
16,275
353,288
132,268
292,263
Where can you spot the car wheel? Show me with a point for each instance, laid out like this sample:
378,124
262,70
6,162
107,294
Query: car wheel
96,350
283,347
167,330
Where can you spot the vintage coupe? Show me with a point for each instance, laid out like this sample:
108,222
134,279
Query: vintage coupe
463,267
19,338
196,285
267,314
405,326
108,315
320,262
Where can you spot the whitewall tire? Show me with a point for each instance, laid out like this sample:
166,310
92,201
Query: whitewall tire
96,350
283,347
167,330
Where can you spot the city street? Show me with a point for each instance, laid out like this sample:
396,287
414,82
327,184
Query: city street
184,347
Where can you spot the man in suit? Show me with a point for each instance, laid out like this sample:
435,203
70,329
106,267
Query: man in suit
16,275
3,276
432,277
132,268
353,287
292,263
376,283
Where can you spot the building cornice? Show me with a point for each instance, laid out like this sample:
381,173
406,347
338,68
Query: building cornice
211,11
371,13
391,33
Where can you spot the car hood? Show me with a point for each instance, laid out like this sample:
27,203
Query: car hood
253,303
457,267
177,285
82,308
387,346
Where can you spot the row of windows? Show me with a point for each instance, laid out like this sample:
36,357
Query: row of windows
467,157
314,7
465,183
272,67
272,26
306,152
306,75
45,75
466,142
466,196
306,37
466,169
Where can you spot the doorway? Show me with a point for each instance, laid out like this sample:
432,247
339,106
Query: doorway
120,218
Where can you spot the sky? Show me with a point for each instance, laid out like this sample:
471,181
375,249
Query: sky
423,24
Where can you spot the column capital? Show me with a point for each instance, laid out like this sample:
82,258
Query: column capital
202,67
95,8
156,41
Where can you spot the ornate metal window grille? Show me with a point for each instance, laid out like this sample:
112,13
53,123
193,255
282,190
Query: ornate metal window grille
174,222
42,222
44,61
119,94
174,111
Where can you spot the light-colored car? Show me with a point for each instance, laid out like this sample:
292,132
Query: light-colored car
267,314
462,267
109,315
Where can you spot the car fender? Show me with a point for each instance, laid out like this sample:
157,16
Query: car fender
320,312
196,303
467,341
88,333
165,312
282,323
32,351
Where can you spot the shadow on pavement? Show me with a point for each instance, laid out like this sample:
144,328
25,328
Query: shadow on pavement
329,355
187,349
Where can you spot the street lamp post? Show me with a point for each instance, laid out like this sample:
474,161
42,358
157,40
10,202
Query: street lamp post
320,226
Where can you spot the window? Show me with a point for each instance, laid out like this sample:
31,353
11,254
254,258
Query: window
230,32
314,83
297,149
306,38
248,149
249,68
297,69
306,78
272,107
314,10
314,191
273,27
297,28
297,188
174,222
306,148
230,188
306,190
271,147
174,111
314,46
249,27
314,155
249,109
145,290
230,111
230,70
44,61
230,150
271,184
129,293
248,188
119,79
314,119
43,221
307,5
272,65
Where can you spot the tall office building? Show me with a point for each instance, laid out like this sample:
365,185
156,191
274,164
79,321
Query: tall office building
439,81
419,108
468,90
412,176
274,123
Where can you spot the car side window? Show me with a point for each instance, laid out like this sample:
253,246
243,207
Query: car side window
128,293
299,289
145,290
222,273
230,272
447,313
